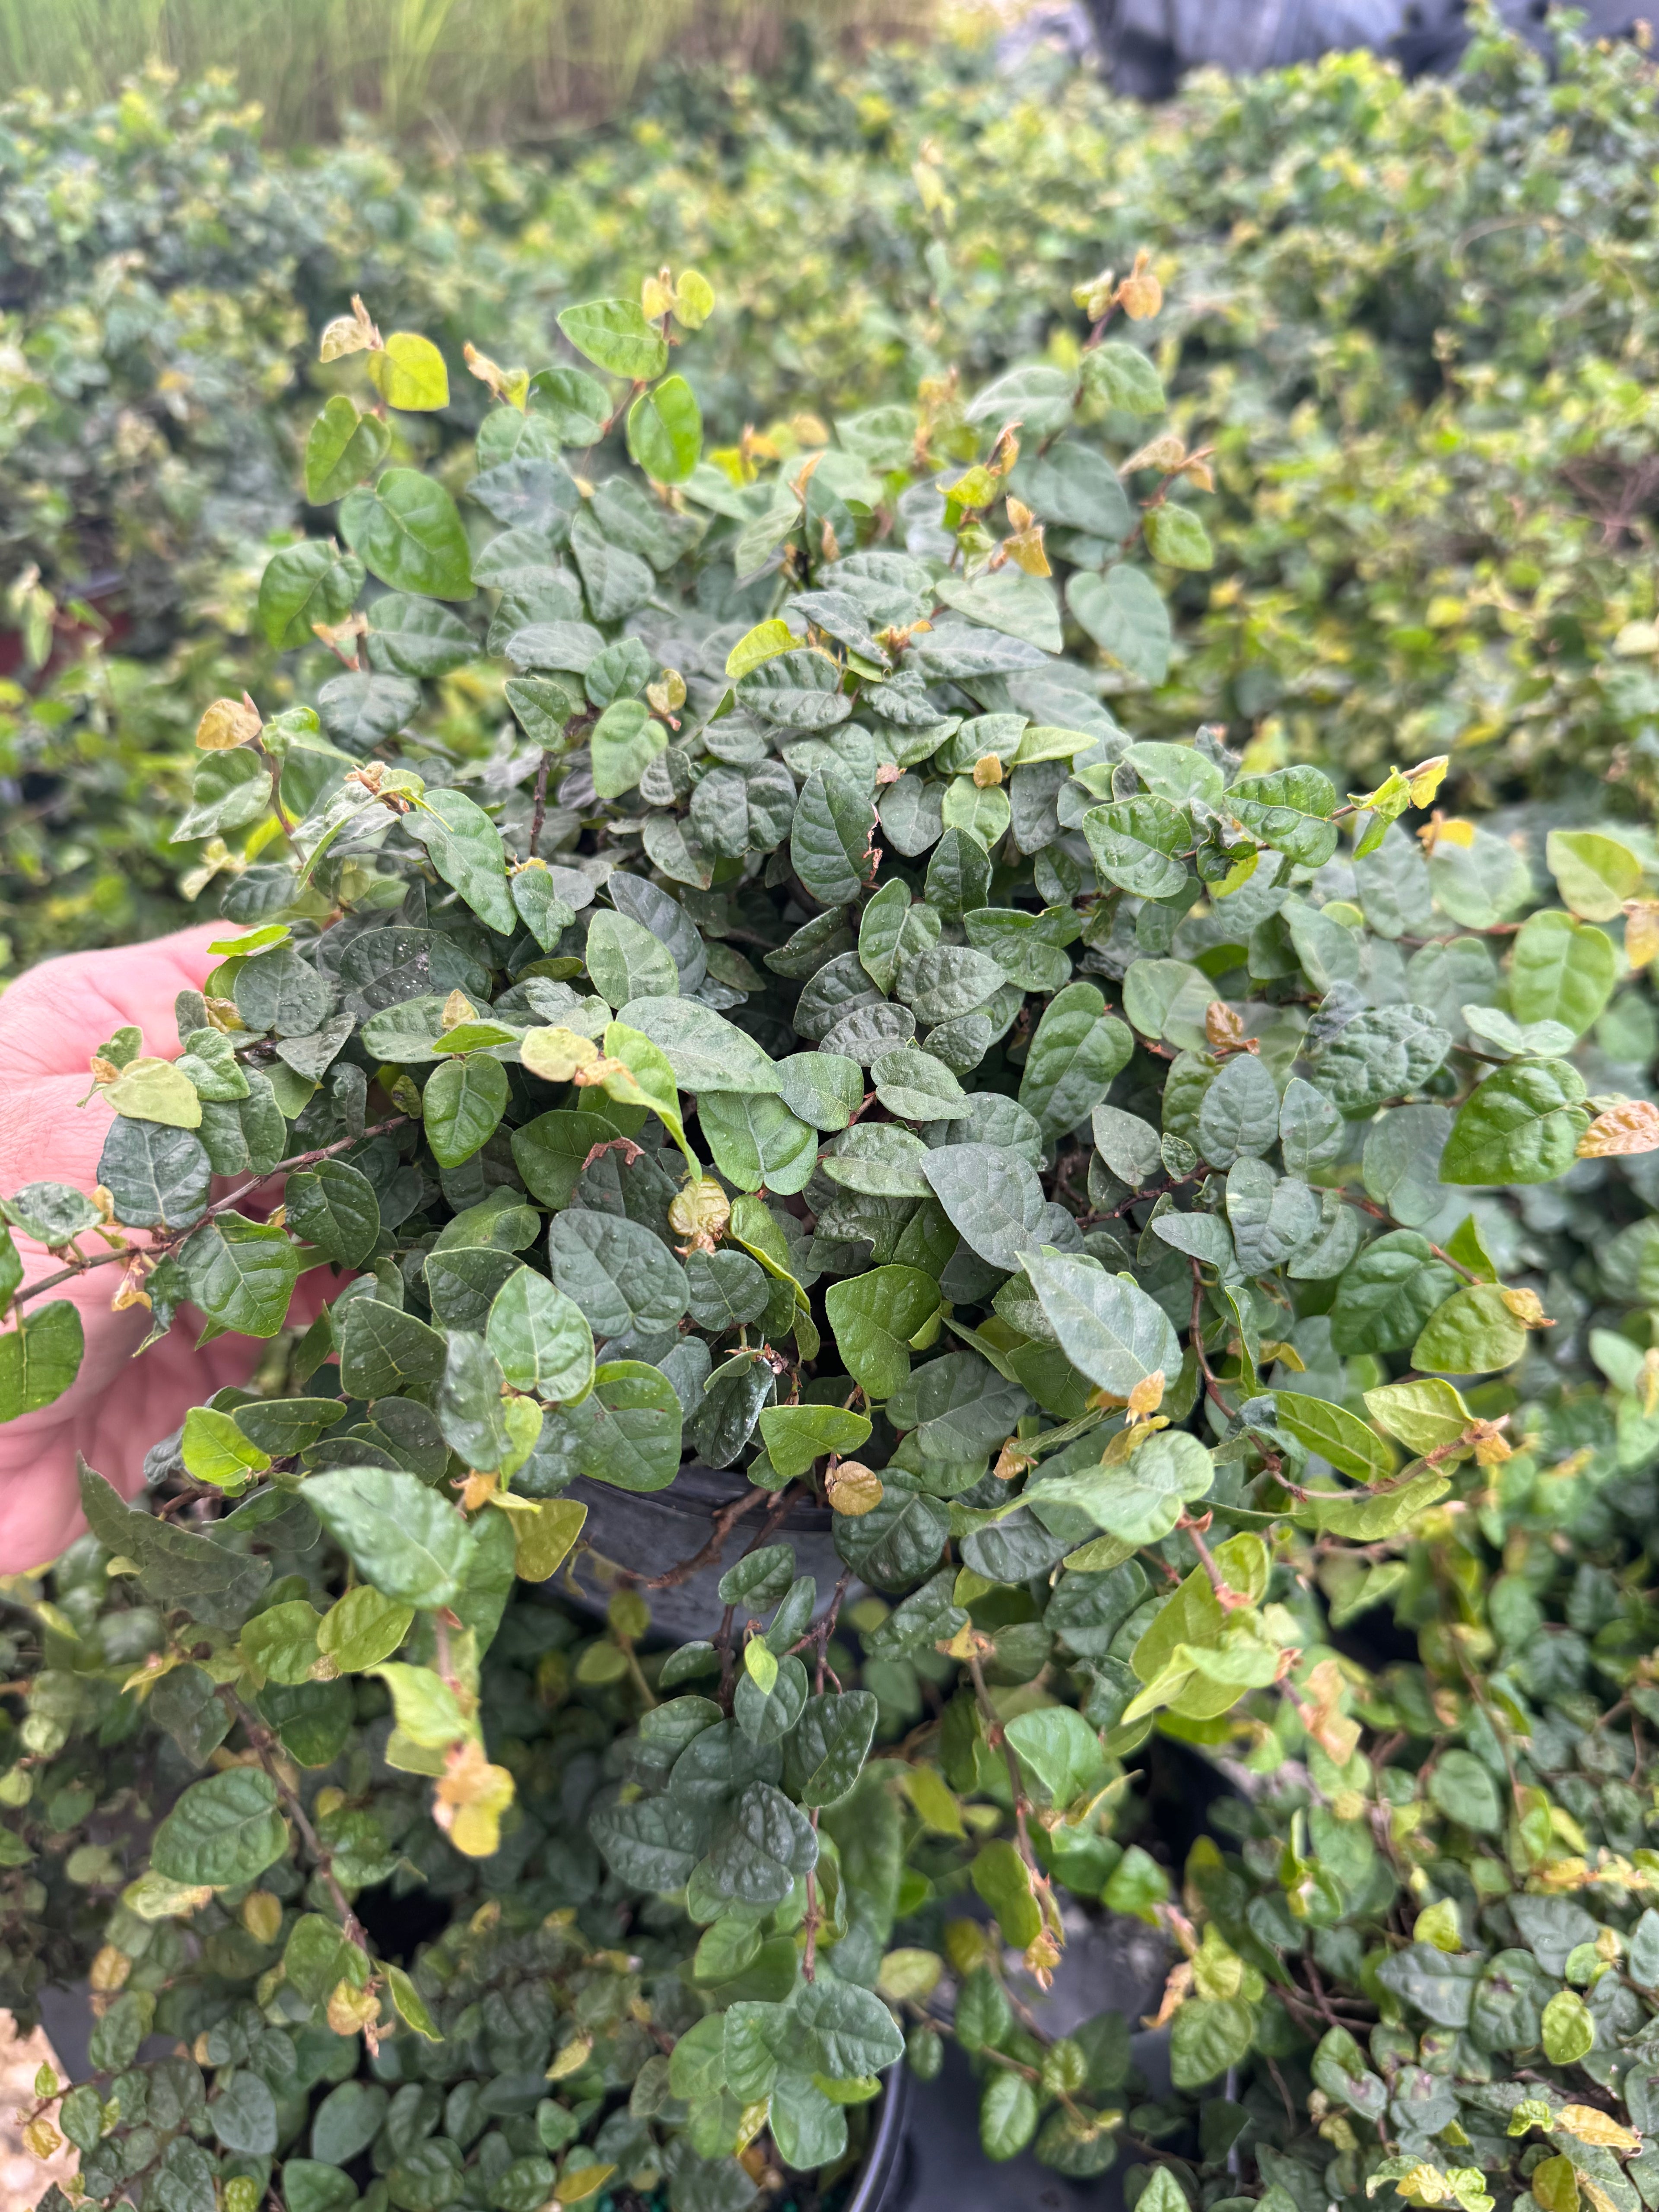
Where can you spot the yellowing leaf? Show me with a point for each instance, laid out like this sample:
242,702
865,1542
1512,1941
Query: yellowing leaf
409,374
1641,931
155,1090
935,1806
543,1536
555,1053
1632,1127
471,1797
694,300
572,2059
852,1489
764,642
227,724
1141,295
1590,2126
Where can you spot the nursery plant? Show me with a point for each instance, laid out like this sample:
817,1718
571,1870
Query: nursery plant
818,1042
1427,375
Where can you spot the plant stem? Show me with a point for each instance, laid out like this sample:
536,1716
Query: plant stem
169,1245
263,1742
996,1737
540,813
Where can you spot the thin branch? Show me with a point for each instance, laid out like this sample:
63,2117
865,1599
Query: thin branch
540,814
263,1742
220,1206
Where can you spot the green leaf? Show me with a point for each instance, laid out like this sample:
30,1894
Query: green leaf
874,1317
705,1052
1008,600
408,1541
619,1274
1135,842
809,2130
665,431
462,1106
1426,1416
176,1566
1402,1163
831,1740
1340,2070
279,1645
571,401
540,1338
333,1206
215,1449
795,1436
1001,1878
1472,1333
829,837
40,1359
628,1431
1311,1133
464,847
1289,809
406,530
342,448
1522,1126
1207,2037
1076,1051
1479,884
384,1351
756,1142
1270,1218
1384,1052
363,1628
1569,2029
1058,1746
822,1088
1124,613
550,1151
313,582
1238,1115
1141,1498
626,962
614,334
1121,375
1174,536
1561,971
427,1710
1108,1327
1336,1435
158,1177
991,1197
1465,1791
223,1831
1008,2112
241,1273
625,740
852,2034
1595,874
228,791
1386,1296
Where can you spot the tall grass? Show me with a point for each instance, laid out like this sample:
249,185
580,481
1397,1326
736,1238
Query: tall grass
479,68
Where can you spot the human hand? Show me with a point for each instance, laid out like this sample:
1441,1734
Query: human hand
52,1021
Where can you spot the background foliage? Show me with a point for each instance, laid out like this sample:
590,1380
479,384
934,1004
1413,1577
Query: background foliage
1427,375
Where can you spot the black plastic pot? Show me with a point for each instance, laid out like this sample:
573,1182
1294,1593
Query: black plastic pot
881,2183
646,1533
885,2182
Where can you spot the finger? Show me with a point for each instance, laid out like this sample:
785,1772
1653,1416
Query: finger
53,1019
111,1429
